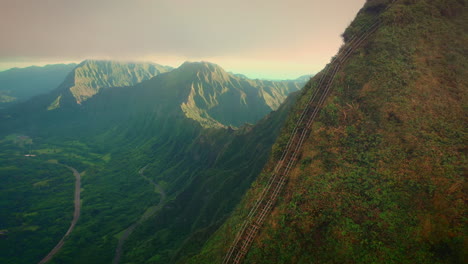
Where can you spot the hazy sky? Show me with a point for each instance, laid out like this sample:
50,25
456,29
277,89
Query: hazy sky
260,38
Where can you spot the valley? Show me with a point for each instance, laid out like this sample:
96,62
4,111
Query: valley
142,160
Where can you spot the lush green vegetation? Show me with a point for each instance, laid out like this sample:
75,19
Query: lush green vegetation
36,204
219,168
381,177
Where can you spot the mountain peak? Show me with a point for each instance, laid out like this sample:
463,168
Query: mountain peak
90,76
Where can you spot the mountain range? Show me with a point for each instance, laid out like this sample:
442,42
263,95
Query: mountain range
108,91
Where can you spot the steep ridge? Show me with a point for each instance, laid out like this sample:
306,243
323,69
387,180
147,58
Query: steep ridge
20,84
290,154
380,177
90,76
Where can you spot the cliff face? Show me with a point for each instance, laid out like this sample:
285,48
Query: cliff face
91,76
380,178
221,99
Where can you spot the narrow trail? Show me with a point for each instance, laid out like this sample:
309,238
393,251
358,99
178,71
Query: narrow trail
76,216
263,206
151,211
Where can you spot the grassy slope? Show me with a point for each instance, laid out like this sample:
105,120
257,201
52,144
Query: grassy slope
209,178
380,179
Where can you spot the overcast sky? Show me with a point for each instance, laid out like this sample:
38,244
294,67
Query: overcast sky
260,38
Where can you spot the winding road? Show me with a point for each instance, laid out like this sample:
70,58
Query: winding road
76,216
151,211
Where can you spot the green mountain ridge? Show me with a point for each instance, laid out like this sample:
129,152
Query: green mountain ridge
380,178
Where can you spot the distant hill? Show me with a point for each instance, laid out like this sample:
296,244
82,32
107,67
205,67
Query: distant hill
20,84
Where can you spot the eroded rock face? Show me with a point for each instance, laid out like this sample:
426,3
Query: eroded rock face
91,76
221,99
